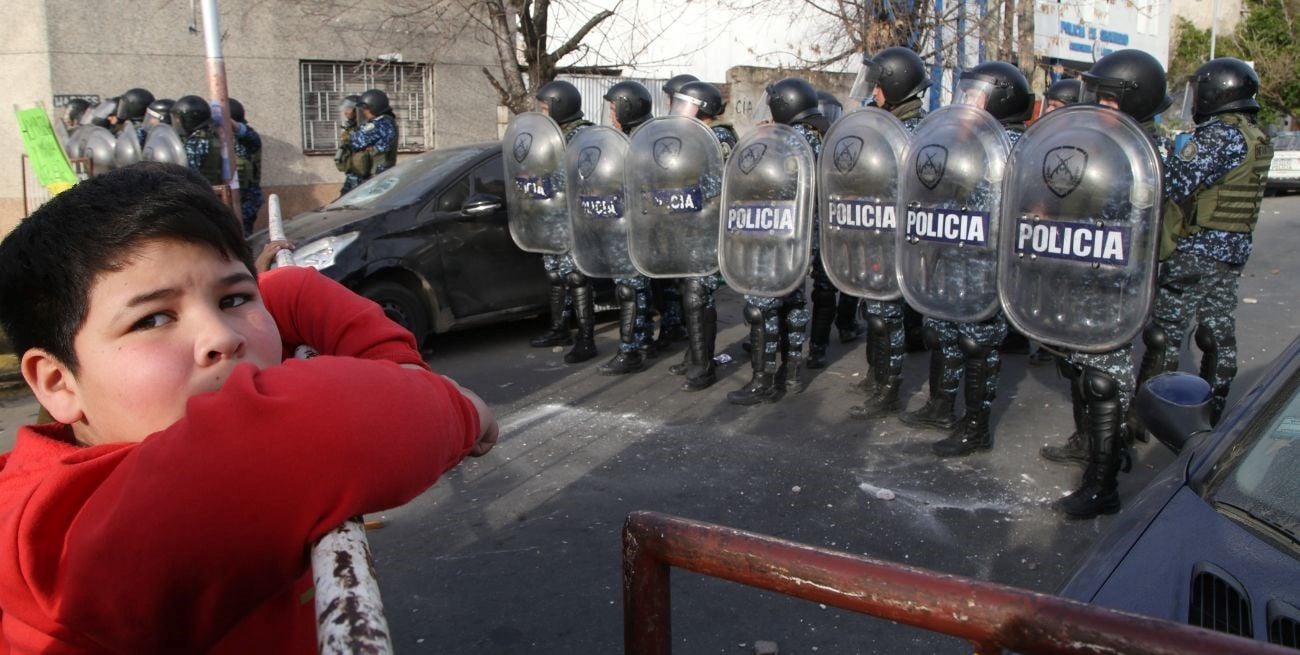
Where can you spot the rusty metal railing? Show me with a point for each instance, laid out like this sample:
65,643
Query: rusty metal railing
992,617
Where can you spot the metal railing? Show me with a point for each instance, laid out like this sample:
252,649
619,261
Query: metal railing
992,617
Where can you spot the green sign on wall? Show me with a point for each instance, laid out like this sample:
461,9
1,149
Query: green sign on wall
43,150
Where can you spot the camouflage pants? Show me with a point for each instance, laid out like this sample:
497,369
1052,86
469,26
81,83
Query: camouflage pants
250,202
792,332
1118,364
643,326
350,182
988,333
1204,289
891,312
668,302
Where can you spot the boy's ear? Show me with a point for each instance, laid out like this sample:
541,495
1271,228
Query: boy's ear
54,385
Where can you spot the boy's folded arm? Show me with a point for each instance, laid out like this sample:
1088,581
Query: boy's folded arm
211,517
312,309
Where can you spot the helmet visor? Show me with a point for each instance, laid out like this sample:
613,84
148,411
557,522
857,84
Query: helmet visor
101,111
347,109
974,92
684,105
151,119
762,113
863,92
1187,114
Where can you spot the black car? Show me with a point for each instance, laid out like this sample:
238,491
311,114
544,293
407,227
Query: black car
1215,539
428,241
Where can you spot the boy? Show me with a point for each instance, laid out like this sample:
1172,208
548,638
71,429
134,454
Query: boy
172,504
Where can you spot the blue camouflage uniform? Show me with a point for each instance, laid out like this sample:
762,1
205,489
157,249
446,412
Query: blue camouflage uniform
248,153
380,135
203,154
561,269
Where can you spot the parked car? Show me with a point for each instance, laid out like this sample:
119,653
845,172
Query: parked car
428,241
1215,539
1284,172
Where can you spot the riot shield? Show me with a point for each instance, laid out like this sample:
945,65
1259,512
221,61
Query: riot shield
97,144
126,150
1080,212
674,182
164,145
857,190
533,151
765,232
597,202
948,202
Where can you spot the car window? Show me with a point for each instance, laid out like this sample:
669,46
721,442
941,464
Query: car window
490,178
452,199
1261,476
1288,142
408,181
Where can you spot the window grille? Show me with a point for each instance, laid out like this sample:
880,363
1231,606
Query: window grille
324,84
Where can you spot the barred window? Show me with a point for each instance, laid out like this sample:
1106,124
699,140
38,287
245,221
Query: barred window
325,83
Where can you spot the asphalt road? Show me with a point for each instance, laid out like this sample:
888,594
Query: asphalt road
519,551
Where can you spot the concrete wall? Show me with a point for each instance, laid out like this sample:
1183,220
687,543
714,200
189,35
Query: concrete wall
121,44
1200,13
747,84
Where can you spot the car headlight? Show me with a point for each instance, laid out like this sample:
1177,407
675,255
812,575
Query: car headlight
320,254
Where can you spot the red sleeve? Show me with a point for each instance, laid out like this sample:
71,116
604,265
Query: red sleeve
312,309
204,521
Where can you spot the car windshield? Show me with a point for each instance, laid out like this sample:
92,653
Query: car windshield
406,182
1287,142
1260,476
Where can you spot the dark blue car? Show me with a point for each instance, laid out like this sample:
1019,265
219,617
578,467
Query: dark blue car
1215,539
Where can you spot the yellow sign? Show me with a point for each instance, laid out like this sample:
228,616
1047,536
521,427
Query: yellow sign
44,152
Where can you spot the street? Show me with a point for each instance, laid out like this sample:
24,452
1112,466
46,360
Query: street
519,551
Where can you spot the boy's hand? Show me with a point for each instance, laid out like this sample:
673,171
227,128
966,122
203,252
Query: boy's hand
264,259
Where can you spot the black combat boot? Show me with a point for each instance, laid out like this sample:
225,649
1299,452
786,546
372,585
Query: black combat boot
889,377
689,289
972,432
846,318
1075,450
762,387
558,333
627,360
703,372
938,409
668,300
1099,491
823,317
584,310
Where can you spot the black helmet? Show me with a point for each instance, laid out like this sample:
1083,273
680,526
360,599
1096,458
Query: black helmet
132,104
236,110
1066,92
676,82
791,100
1134,78
829,105
632,104
563,101
1009,99
189,113
1223,85
901,75
706,97
376,101
76,107
161,110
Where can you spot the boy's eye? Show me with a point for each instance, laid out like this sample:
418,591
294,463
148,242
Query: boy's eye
235,300
151,321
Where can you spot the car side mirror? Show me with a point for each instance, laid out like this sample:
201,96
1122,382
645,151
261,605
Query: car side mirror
1175,407
481,204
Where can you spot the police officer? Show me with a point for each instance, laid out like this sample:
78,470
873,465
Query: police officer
830,106
702,101
779,324
1102,384
901,79
131,108
158,113
378,135
629,105
248,164
570,289
192,120
73,112
1216,178
355,165
674,86
667,297
846,312
1002,90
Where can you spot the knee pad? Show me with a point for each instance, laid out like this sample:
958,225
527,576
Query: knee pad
973,348
1067,370
1155,337
1205,339
1098,386
753,315
933,340
575,279
876,324
624,293
555,277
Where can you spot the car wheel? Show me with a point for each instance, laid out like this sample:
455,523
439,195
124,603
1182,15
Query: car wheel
401,305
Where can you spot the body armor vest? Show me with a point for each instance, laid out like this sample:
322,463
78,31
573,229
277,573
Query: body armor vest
1232,203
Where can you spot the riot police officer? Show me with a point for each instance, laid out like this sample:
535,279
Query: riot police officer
629,105
131,108
192,119
248,164
667,297
73,112
674,86
1002,90
830,106
1062,93
1216,179
378,135
158,113
899,79
355,165
570,290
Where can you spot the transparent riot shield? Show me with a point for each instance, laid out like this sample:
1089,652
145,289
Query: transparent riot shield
1080,216
536,203
126,150
674,181
594,164
765,242
164,145
97,145
948,213
857,194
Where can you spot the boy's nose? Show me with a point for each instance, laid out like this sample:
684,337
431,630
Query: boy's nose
218,341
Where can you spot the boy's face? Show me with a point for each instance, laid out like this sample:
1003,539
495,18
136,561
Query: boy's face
174,322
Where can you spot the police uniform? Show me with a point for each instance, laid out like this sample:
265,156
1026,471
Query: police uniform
378,136
355,165
203,154
248,157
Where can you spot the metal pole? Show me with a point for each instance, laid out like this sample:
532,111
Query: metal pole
1214,25
936,71
217,94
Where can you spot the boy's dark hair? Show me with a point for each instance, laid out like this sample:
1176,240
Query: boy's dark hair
50,261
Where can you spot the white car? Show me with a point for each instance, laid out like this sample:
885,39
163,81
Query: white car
1284,173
